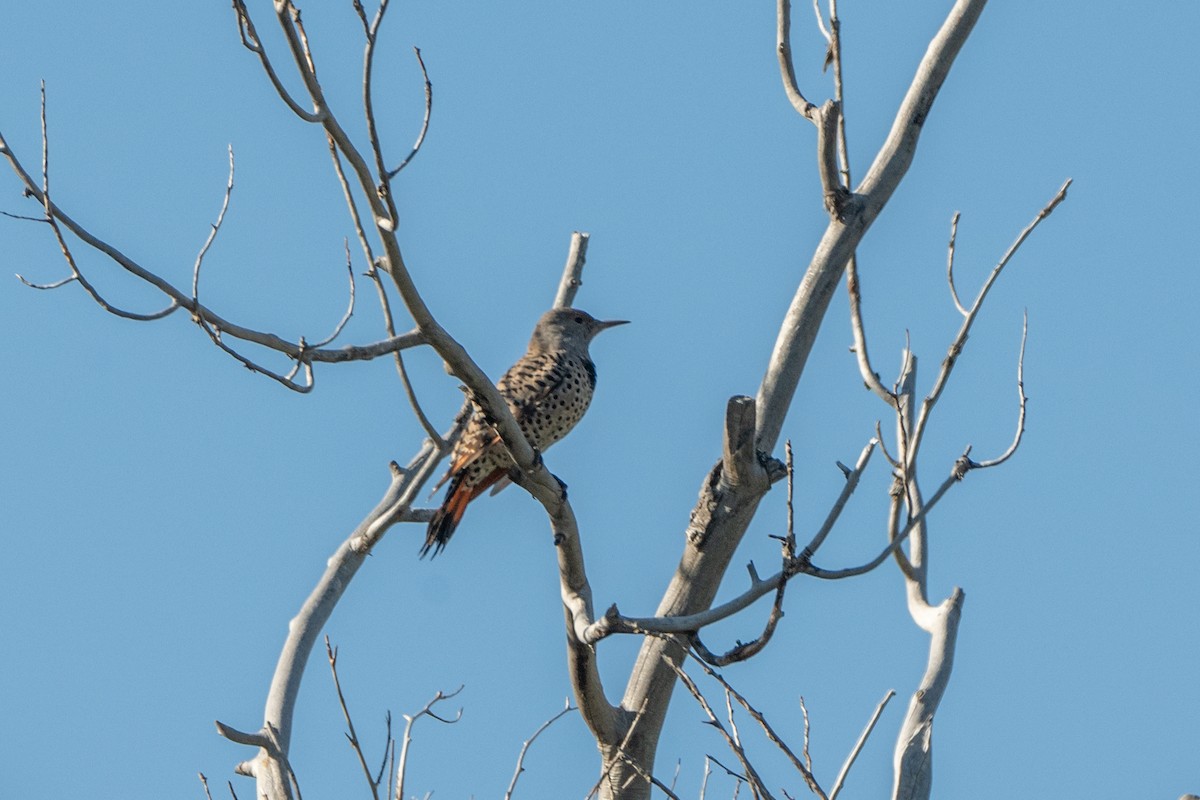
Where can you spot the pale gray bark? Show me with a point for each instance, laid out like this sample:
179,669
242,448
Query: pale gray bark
707,552
628,733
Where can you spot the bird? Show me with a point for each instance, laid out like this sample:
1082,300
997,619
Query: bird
548,390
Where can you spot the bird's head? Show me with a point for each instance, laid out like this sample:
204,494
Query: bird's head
564,327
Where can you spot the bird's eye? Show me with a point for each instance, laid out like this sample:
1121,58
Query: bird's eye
579,320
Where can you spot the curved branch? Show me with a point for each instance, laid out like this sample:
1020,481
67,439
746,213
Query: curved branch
1016,442
337,329
252,43
913,760
614,622
180,299
840,240
567,708
787,68
410,720
416,148
44,286
869,375
950,263
965,329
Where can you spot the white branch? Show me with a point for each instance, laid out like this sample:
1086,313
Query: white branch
913,761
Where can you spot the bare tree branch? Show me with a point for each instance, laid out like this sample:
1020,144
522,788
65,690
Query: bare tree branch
180,299
841,238
869,375
787,67
914,745
351,735
950,263
614,622
858,746
567,708
573,271
960,339
416,148
756,785
1016,442
252,43
409,721
805,769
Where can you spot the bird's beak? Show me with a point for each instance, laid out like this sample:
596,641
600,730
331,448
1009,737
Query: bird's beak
612,323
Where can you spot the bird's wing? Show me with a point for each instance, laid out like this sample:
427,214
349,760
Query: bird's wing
528,383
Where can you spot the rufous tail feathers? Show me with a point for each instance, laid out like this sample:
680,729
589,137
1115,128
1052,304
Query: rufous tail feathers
445,519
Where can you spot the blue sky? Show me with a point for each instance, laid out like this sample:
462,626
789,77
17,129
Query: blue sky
164,512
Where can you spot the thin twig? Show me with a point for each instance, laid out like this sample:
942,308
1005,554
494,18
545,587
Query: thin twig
869,375
416,148
839,90
337,329
409,391
1012,448
252,43
567,708
707,772
49,210
950,263
852,479
409,719
351,735
805,767
807,731
960,339
858,746
821,20
214,228
647,777
789,544
752,777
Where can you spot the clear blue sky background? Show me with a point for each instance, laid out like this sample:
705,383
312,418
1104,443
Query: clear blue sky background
163,512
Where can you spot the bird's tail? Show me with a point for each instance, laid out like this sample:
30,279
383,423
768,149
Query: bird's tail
445,519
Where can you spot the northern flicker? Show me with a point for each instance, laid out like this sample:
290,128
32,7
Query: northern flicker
548,390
